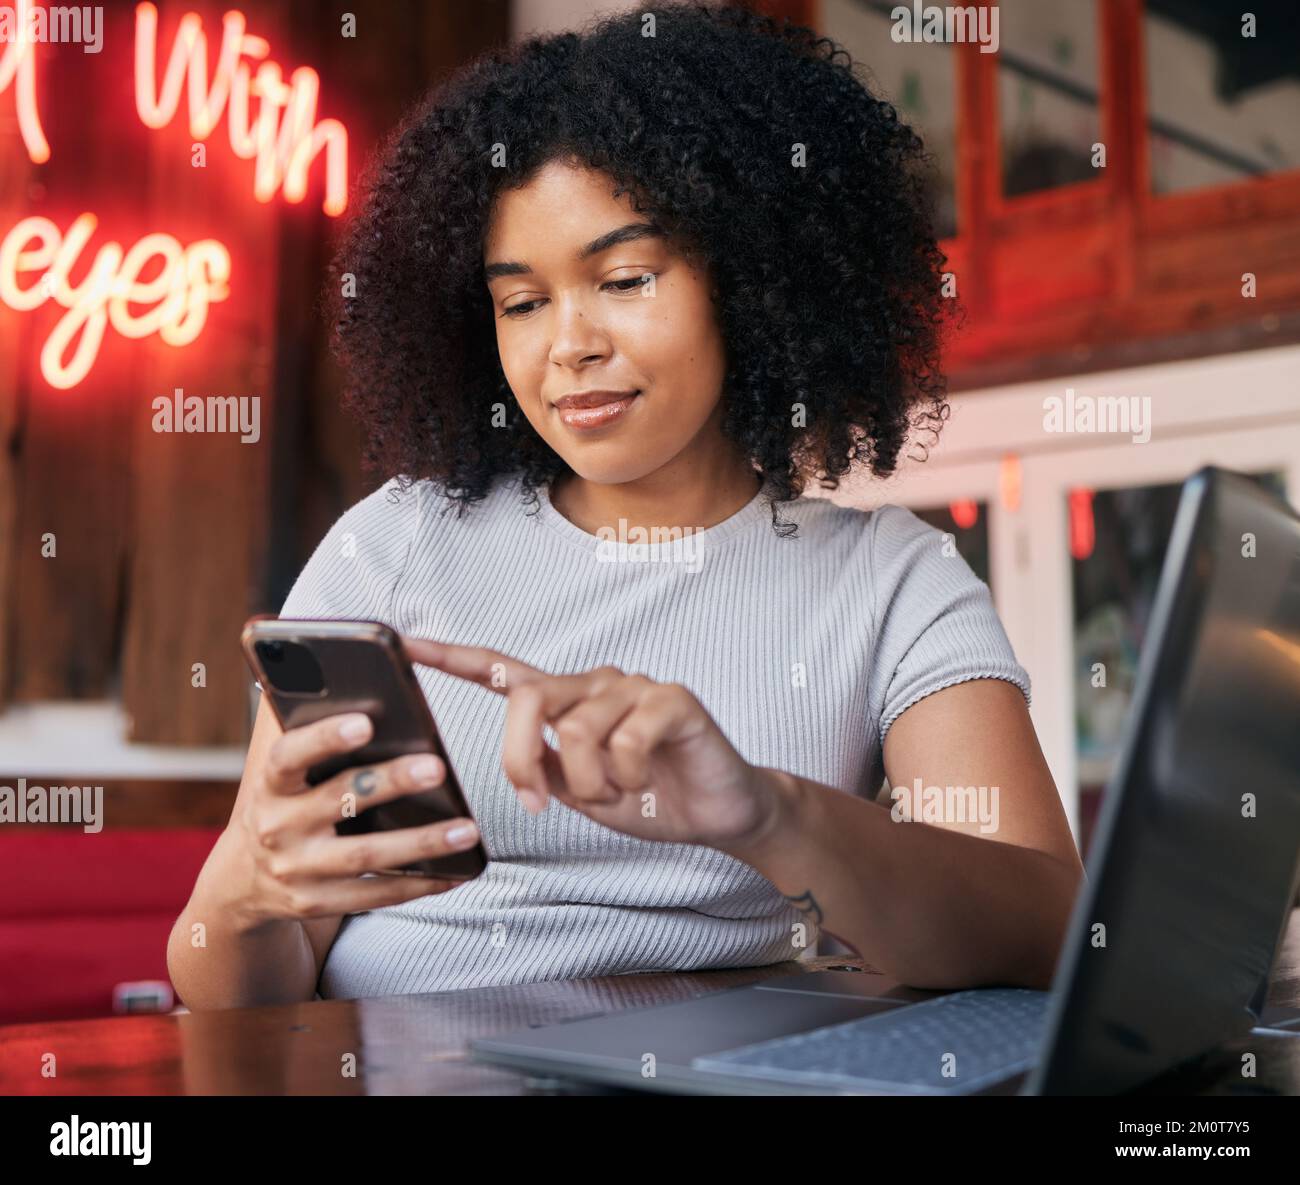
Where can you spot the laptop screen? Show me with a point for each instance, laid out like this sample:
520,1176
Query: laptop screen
1194,867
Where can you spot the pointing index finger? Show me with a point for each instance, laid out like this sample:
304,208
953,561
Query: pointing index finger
488,668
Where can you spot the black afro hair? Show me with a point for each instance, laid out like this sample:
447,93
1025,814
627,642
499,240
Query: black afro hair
754,144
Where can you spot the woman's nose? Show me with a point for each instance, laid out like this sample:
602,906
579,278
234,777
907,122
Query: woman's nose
577,336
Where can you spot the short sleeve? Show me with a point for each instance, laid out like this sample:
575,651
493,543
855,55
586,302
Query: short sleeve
935,624
354,572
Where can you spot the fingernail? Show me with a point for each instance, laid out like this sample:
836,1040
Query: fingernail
425,769
462,836
354,728
531,800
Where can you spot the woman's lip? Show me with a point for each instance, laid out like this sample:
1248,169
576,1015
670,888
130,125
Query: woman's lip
595,398
596,417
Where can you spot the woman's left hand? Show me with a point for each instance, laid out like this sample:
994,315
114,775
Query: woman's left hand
642,757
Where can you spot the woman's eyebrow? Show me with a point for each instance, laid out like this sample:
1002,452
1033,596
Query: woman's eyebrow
623,234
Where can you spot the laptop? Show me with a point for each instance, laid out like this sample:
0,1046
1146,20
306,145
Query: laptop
1172,940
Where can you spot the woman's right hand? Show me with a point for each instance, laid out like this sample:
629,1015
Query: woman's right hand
295,865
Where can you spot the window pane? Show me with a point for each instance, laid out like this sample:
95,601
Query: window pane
968,524
916,77
1114,589
1221,106
1047,93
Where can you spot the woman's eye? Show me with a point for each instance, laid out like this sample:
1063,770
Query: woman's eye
635,282
631,284
515,310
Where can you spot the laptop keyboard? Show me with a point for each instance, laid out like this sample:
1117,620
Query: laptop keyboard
949,1045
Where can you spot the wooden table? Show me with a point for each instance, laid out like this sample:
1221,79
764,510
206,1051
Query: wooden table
418,1044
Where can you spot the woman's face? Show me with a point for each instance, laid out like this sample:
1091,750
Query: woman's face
588,296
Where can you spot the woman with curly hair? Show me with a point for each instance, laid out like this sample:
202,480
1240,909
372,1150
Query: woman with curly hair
615,298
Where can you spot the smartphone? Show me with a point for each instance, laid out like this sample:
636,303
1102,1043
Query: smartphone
311,669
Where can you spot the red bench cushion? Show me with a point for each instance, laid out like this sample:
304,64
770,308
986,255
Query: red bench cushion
81,913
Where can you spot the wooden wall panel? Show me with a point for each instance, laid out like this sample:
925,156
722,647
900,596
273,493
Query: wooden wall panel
17,190
200,507
70,454
1045,270
1269,250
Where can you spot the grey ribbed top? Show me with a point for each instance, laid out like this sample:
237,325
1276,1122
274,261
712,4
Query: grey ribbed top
804,650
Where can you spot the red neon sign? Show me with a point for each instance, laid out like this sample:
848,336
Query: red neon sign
283,140
1083,528
18,62
286,136
191,278
964,513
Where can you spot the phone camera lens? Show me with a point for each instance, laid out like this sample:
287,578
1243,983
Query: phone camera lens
290,667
